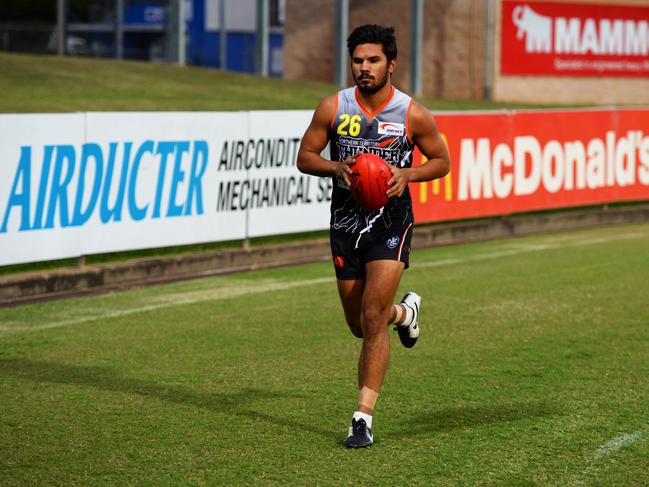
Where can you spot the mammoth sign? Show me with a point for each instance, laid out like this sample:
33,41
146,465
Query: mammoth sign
564,39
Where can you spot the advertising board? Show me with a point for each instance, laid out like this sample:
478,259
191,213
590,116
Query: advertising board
509,162
86,183
574,39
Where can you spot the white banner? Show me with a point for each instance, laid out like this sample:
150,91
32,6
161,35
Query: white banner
79,184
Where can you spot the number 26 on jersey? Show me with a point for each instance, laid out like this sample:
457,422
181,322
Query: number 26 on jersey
349,125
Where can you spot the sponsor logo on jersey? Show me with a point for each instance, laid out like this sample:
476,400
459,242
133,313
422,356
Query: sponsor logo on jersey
391,128
392,242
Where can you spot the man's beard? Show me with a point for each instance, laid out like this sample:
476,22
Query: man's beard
370,90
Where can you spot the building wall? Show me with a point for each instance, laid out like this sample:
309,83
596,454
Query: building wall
454,49
453,67
309,33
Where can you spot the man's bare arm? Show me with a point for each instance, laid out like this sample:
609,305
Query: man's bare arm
314,141
426,137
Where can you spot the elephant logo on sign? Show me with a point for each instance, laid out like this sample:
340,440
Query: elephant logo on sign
537,29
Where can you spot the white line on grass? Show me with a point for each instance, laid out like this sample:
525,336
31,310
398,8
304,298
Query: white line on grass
616,444
609,448
186,298
256,287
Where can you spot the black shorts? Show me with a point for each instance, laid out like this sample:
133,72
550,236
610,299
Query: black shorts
350,253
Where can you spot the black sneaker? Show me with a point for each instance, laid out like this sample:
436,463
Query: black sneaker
360,436
409,333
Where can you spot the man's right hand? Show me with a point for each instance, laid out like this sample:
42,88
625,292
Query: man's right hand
343,169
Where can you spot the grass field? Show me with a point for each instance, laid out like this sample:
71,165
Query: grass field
531,370
69,84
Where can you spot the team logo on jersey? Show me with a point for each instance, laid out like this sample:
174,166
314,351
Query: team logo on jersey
391,128
392,242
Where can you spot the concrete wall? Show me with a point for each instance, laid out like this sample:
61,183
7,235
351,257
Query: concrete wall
454,65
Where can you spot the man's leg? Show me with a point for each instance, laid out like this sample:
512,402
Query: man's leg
376,310
351,297
382,280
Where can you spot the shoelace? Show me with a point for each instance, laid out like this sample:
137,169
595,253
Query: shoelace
359,427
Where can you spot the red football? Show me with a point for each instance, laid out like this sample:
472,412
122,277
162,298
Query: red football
369,181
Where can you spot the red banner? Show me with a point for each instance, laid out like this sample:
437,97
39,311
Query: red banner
505,163
574,39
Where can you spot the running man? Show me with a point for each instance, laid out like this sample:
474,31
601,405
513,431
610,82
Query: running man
370,249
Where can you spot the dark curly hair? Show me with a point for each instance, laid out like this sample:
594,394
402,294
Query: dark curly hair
374,34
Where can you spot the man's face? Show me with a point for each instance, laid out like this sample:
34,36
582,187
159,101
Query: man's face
370,68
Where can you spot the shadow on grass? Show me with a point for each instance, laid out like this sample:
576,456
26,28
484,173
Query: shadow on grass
237,403
431,421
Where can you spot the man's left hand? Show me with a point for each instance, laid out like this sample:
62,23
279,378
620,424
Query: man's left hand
398,182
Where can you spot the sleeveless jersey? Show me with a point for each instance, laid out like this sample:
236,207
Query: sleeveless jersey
384,133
